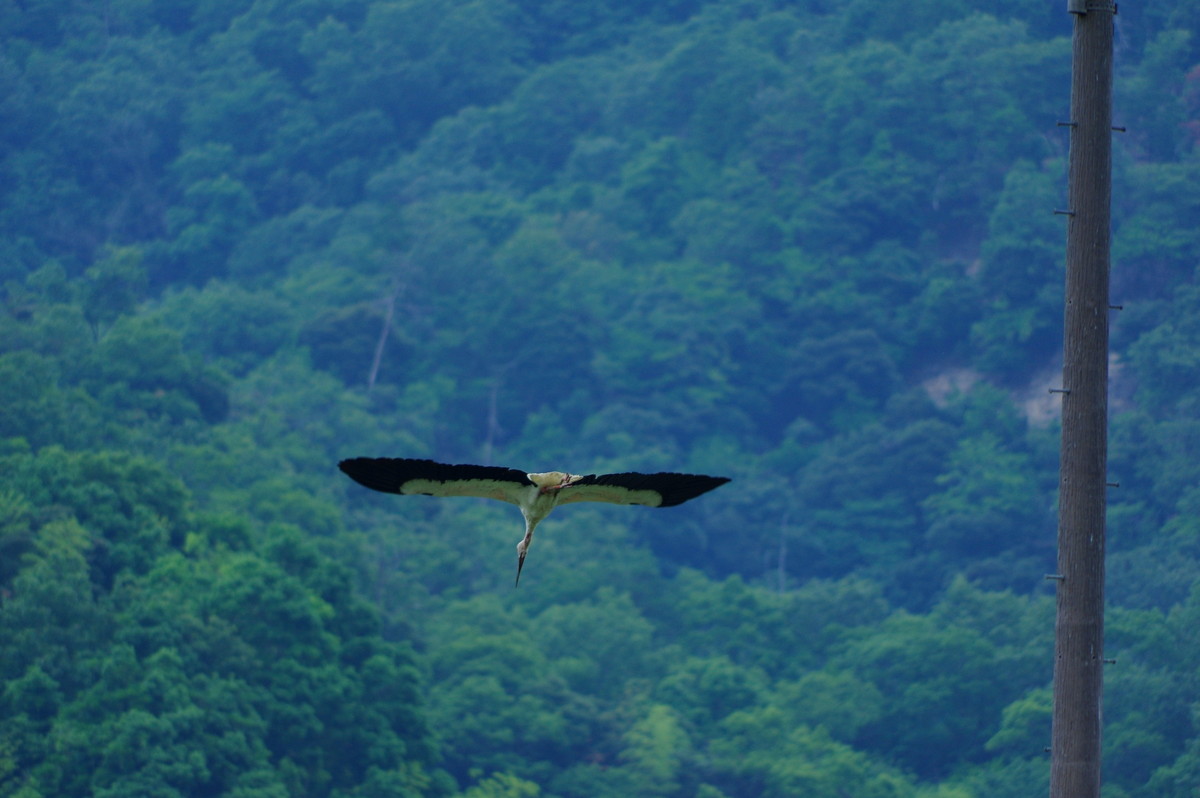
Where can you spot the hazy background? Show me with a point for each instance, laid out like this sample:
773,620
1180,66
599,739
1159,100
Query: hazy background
807,245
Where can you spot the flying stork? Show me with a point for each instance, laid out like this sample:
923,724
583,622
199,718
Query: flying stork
535,494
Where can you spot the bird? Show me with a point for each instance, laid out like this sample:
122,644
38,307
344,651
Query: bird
535,493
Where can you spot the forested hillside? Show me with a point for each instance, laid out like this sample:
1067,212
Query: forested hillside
806,245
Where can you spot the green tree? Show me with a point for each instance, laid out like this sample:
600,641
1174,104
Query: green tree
204,227
984,503
940,696
759,753
502,785
115,285
133,510
1024,724
705,690
236,327
657,749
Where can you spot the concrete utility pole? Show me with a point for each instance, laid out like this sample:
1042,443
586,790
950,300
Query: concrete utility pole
1079,626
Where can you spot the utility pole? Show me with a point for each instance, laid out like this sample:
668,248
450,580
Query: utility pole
1079,624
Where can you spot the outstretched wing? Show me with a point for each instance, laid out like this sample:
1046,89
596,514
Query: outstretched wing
653,490
404,476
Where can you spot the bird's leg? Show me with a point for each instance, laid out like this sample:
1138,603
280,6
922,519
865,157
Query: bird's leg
523,549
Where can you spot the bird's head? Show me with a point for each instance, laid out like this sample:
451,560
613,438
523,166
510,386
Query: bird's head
553,480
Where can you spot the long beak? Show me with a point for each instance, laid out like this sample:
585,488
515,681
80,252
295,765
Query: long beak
520,565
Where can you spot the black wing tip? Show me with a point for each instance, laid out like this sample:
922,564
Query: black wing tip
674,488
388,474
376,473
377,460
688,486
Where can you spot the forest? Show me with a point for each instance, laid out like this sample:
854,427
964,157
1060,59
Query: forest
804,244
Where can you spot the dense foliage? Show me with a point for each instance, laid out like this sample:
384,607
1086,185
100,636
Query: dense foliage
806,245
